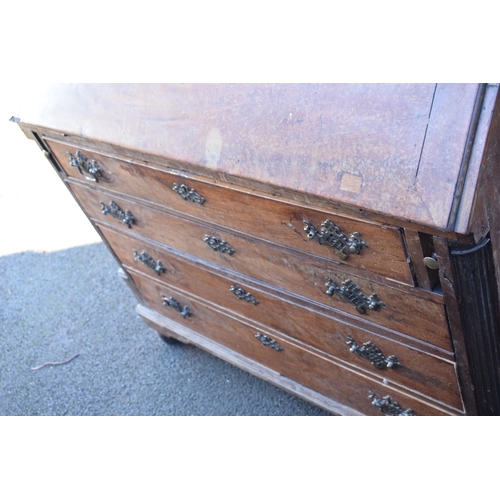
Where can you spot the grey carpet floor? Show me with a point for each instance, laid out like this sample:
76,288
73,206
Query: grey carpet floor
59,304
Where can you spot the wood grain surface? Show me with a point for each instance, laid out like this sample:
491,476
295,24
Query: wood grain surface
334,380
405,312
250,214
395,149
329,333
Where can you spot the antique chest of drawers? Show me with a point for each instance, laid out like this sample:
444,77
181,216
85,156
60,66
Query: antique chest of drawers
339,241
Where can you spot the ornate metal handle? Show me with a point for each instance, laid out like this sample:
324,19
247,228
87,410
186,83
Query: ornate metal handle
157,267
389,407
351,292
373,354
242,295
188,194
268,342
217,244
126,217
174,304
331,235
88,168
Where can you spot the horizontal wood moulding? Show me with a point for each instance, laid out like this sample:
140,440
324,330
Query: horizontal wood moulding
253,215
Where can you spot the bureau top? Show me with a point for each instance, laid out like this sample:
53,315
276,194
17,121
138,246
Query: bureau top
411,151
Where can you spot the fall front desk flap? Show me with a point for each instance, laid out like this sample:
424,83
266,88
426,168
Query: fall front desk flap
397,149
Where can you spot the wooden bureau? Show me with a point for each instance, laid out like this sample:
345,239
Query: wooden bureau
340,241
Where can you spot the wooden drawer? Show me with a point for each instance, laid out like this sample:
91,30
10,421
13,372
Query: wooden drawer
405,312
329,333
247,213
294,362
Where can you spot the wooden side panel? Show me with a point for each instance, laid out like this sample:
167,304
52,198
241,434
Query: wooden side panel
473,216
485,217
478,302
456,328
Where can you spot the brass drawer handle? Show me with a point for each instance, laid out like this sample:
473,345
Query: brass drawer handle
146,259
87,168
188,194
373,354
351,292
331,235
126,217
242,295
268,342
389,407
217,244
174,304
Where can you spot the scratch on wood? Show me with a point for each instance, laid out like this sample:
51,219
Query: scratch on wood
425,134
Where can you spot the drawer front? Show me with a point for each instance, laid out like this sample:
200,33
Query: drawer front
260,217
422,372
410,314
277,352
